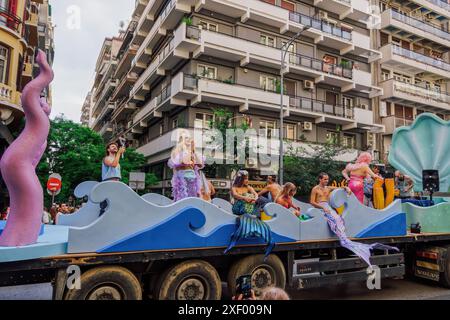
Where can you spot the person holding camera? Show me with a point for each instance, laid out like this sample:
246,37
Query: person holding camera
110,164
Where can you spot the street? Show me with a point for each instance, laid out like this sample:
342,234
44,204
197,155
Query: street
391,290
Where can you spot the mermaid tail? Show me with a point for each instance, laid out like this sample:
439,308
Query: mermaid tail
357,187
19,161
362,250
251,227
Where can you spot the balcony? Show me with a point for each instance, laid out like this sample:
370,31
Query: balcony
140,7
321,31
125,62
106,131
414,62
167,20
104,95
10,21
354,9
440,7
413,29
415,96
147,112
10,97
124,85
391,123
105,112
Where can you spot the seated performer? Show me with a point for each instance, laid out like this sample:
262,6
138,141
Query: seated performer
404,184
358,172
244,196
319,199
249,225
272,189
284,198
186,164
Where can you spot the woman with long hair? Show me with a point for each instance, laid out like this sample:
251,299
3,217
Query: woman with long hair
244,196
358,172
284,198
186,164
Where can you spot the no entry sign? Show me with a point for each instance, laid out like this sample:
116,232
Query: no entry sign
54,183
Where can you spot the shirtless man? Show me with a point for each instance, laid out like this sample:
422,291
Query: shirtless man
320,194
273,189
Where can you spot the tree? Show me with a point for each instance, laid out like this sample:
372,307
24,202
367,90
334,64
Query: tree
303,165
76,153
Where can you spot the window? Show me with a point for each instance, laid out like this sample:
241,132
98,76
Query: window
291,48
161,129
385,74
268,127
290,131
333,137
4,52
208,26
288,5
267,40
347,102
402,78
175,123
268,83
203,120
207,71
349,141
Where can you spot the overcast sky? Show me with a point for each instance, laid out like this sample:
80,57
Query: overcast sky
78,40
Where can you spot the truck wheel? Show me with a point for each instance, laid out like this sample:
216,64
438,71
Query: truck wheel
444,277
107,283
264,273
190,280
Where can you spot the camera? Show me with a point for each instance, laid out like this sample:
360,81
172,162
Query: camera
244,286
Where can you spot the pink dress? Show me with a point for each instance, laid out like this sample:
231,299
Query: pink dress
356,184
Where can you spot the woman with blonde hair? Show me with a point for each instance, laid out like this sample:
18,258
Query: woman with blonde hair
186,164
284,198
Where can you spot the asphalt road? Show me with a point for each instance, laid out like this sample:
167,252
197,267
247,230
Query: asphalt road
390,290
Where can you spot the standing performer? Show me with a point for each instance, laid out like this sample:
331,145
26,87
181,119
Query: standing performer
319,199
110,164
186,164
358,172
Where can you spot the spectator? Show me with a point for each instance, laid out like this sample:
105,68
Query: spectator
46,217
53,213
272,293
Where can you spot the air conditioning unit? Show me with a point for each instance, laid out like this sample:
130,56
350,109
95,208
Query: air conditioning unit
307,84
364,106
307,126
130,124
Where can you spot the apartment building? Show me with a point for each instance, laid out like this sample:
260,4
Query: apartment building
182,59
19,36
414,71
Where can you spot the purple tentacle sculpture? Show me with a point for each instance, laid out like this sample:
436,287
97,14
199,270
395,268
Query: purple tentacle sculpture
18,164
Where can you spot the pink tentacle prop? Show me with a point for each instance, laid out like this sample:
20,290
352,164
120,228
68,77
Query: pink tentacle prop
18,164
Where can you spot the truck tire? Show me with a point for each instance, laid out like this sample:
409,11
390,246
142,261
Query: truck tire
107,283
189,280
264,273
444,277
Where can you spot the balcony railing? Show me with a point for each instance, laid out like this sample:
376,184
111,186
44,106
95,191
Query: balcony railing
421,92
320,65
194,33
190,82
420,58
163,95
321,107
319,25
9,19
440,3
420,24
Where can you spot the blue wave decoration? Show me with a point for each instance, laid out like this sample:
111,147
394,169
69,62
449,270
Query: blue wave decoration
392,226
178,232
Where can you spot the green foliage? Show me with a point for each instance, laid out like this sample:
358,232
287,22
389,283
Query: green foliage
76,153
302,166
188,21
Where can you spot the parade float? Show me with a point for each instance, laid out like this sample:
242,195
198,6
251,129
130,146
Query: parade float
425,147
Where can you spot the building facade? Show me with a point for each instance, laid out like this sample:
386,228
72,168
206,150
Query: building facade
20,25
414,72
359,70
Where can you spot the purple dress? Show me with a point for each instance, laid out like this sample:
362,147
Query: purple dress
185,183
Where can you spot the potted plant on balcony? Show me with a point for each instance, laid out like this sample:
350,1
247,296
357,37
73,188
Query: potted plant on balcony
187,21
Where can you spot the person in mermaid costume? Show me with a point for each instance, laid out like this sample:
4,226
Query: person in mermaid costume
248,222
319,199
186,164
358,172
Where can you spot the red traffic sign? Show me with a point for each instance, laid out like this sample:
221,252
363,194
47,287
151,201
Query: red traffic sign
54,183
